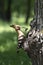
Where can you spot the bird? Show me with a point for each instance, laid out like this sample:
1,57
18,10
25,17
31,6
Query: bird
22,41
21,36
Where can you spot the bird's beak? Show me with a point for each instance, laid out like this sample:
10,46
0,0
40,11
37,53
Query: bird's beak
12,26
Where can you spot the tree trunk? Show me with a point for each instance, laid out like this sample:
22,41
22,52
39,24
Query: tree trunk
8,12
28,10
2,14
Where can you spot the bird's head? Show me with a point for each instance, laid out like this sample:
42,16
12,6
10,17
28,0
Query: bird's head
16,27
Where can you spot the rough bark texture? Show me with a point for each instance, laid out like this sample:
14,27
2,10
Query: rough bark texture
33,45
37,21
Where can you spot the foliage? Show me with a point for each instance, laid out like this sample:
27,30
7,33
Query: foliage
8,43
8,37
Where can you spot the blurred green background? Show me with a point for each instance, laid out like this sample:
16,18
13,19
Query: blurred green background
14,12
